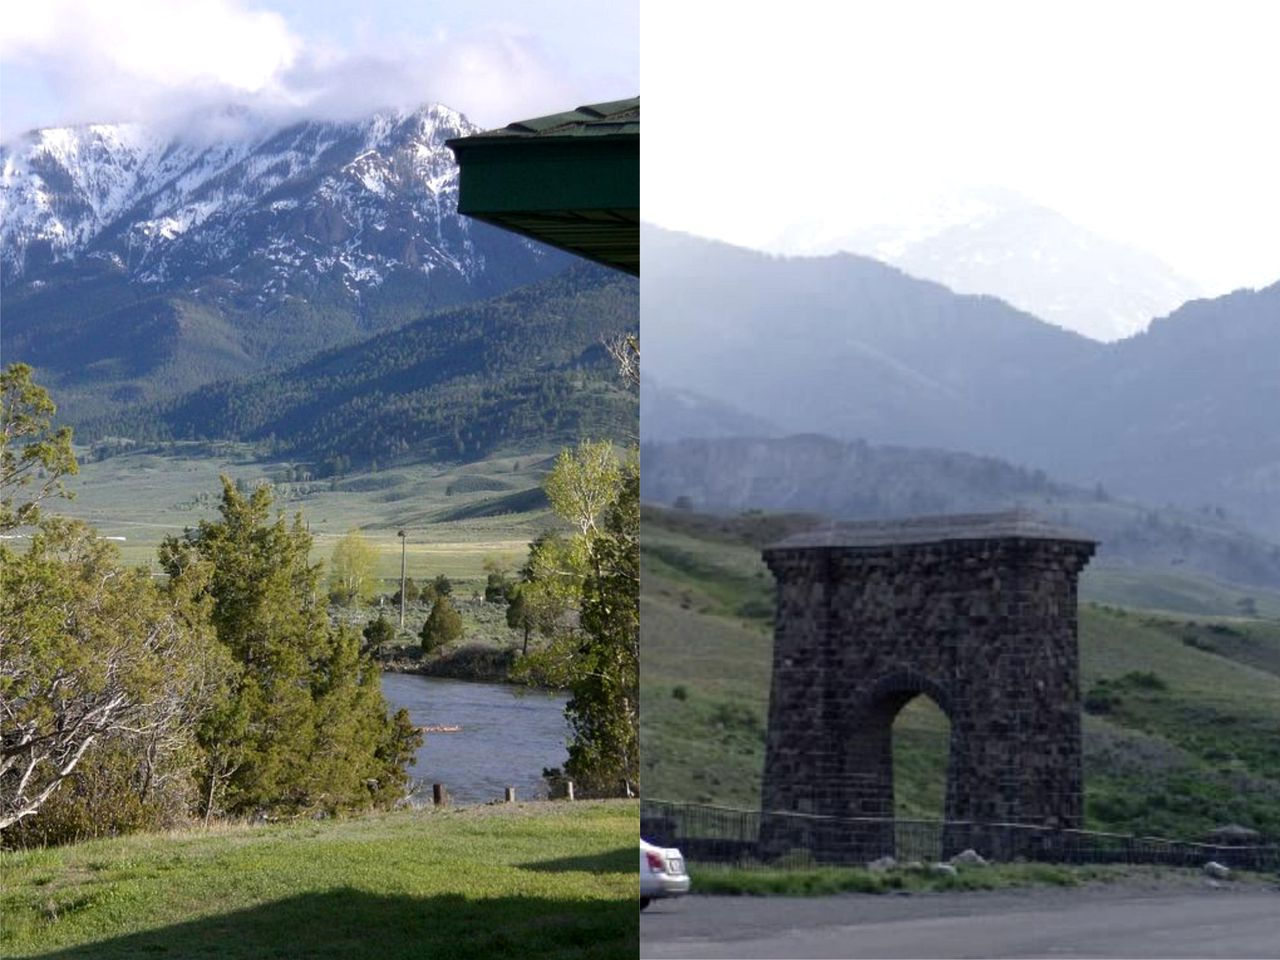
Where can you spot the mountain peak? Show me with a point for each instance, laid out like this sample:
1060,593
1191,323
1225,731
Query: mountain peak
995,241
255,238
131,191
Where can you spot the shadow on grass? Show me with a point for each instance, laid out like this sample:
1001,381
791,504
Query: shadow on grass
355,924
622,860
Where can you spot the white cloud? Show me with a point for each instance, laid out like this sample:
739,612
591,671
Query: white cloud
494,75
132,58
170,59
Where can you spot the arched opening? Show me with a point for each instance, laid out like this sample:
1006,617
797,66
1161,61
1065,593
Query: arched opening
921,754
898,768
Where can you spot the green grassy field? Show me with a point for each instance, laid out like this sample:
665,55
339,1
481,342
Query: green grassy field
456,516
545,880
1186,735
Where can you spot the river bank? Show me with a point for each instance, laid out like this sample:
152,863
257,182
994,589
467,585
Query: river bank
474,661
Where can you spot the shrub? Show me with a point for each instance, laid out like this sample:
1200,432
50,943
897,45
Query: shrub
1143,680
442,627
1101,699
411,592
377,634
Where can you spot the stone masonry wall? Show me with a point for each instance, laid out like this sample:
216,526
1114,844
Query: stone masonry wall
986,628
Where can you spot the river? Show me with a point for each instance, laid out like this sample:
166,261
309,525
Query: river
508,735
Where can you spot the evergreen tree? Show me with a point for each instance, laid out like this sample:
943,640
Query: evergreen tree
103,677
443,626
519,616
33,456
377,634
305,725
443,586
496,587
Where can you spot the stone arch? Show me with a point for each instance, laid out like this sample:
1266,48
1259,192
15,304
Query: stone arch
867,731
977,612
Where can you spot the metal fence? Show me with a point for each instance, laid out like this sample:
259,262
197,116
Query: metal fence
751,838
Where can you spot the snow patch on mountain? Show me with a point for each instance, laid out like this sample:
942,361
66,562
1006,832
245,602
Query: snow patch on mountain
355,200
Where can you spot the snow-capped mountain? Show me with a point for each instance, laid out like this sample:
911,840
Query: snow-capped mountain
358,198
999,243
235,242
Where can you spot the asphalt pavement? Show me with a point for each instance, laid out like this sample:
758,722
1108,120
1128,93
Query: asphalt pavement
1105,921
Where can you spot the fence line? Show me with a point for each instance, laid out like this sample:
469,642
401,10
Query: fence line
751,838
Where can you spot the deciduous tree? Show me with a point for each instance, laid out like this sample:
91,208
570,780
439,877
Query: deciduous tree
594,645
351,569
584,482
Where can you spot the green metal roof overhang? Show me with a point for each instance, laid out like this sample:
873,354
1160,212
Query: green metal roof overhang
571,180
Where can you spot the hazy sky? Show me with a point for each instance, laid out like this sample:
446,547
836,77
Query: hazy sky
1151,123
73,61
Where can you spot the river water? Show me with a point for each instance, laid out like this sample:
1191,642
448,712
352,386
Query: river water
508,735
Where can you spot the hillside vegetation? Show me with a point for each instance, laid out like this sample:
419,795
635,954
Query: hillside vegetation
1182,725
453,513
521,372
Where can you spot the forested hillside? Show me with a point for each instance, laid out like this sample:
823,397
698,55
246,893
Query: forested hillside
522,371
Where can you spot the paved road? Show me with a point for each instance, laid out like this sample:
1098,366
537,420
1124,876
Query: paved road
1092,922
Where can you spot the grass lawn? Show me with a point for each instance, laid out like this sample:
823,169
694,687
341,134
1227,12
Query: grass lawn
540,880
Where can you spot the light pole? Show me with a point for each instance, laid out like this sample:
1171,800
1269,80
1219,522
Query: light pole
403,541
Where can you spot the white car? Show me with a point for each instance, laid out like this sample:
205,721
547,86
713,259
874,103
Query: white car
662,873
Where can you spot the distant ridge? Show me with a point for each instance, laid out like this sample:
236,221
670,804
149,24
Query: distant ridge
848,347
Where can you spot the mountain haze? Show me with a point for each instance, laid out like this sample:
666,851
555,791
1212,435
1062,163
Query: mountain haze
845,345
858,481
849,347
997,242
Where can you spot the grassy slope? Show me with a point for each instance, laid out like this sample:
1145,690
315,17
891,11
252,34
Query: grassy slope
1202,751
1175,593
545,880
